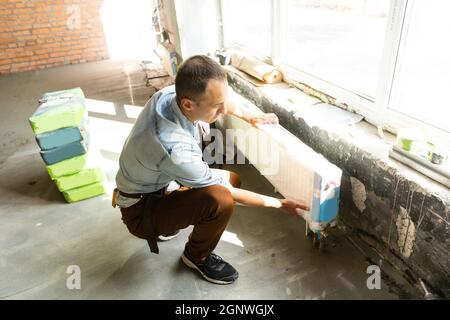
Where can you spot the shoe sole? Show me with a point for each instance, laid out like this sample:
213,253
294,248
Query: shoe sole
191,265
167,238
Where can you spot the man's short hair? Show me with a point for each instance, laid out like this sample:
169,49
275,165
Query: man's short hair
193,76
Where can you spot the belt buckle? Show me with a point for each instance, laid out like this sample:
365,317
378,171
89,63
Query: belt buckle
113,201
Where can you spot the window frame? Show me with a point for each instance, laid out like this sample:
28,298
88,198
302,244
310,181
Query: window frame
399,16
376,110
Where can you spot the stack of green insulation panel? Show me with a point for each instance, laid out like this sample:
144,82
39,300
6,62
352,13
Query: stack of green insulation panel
61,127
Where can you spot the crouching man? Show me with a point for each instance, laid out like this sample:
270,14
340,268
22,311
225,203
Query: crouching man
162,150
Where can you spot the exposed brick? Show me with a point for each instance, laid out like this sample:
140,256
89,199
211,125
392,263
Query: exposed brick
59,29
19,65
35,35
5,61
60,59
40,57
22,59
40,4
24,25
22,11
41,51
42,25
4,29
41,31
74,57
23,54
26,37
59,54
38,62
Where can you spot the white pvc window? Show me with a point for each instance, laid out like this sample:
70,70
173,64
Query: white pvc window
337,41
388,60
422,72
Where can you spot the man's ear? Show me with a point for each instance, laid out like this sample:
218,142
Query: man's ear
187,104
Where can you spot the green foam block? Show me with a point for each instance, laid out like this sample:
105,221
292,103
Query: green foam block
58,113
68,167
61,94
79,179
92,159
84,192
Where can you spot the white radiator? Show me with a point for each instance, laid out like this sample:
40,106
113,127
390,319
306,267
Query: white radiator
294,169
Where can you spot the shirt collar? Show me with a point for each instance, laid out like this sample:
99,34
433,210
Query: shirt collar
184,122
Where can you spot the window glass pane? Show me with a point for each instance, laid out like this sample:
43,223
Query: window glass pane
247,23
422,76
339,41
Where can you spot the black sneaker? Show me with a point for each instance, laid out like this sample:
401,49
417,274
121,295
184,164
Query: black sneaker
213,269
169,236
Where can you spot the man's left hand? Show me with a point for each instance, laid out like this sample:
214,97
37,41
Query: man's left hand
260,119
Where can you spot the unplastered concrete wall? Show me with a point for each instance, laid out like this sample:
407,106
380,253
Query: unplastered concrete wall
395,219
168,20
198,26
194,25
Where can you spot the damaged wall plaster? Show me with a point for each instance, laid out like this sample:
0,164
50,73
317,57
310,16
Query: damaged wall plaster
386,189
406,232
359,194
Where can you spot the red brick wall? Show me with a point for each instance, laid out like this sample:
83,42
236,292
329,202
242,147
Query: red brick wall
38,34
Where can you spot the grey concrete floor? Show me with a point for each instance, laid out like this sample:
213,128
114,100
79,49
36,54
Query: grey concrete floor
41,235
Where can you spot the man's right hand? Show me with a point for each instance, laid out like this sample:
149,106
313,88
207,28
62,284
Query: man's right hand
290,206
249,198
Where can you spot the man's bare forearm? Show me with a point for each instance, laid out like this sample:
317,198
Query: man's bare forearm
235,110
254,199
256,119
